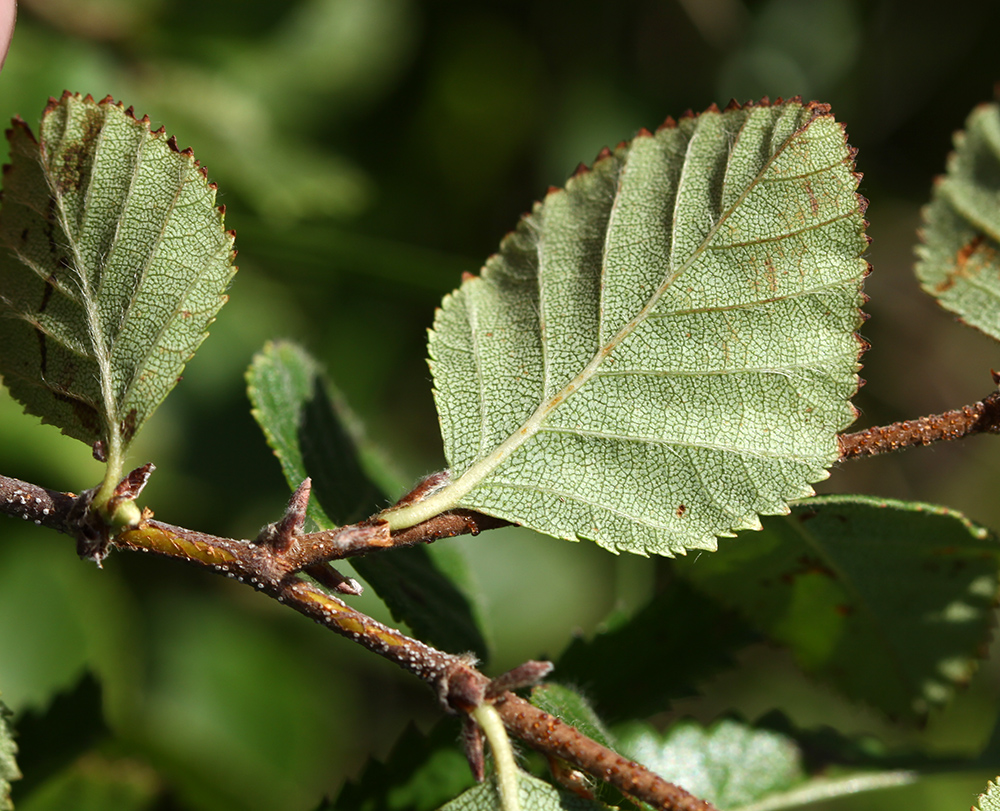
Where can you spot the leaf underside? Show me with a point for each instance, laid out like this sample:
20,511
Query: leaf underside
959,262
856,585
666,348
114,264
990,801
534,795
729,764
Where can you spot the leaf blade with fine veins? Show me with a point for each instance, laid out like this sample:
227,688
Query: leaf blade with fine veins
665,349
116,264
959,260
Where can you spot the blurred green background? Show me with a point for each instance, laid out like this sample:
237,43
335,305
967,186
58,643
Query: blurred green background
369,151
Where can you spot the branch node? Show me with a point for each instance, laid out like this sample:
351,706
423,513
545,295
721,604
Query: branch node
461,687
280,535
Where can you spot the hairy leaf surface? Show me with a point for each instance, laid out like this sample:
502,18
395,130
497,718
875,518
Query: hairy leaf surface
857,586
114,264
960,258
664,349
313,433
572,708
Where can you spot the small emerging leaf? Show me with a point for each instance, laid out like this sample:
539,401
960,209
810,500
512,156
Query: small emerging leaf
665,349
990,801
114,264
960,258
858,586
8,766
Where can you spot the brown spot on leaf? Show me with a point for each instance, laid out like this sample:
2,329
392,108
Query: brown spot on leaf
127,426
76,157
771,275
813,202
961,261
681,509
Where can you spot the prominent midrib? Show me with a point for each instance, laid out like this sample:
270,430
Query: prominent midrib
450,496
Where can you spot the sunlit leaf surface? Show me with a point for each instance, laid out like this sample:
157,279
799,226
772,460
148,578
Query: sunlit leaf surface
960,258
114,264
735,765
664,349
534,794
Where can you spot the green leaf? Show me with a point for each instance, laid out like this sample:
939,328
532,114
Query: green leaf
665,349
421,773
960,259
307,424
312,433
736,766
859,587
115,263
51,739
631,669
97,783
8,766
534,794
572,708
990,801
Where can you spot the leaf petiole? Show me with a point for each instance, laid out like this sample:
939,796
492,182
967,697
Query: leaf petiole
503,755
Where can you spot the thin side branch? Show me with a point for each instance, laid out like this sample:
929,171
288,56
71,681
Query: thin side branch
267,566
979,418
